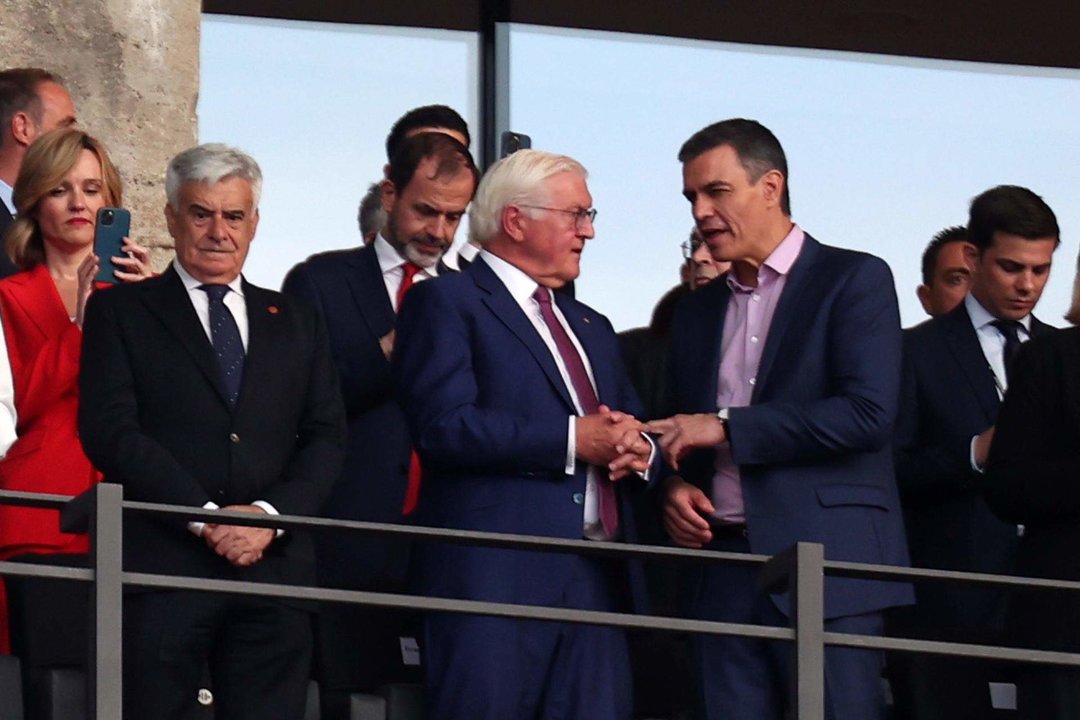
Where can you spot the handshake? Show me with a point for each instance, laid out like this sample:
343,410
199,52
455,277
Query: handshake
615,440
612,439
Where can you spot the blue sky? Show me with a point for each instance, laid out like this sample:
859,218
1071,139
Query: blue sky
883,152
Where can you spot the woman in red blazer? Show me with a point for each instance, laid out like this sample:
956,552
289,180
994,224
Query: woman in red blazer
65,178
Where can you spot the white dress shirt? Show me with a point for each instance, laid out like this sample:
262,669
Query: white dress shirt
521,288
8,416
992,343
6,191
234,301
393,268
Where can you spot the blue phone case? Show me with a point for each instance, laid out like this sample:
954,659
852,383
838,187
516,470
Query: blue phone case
113,225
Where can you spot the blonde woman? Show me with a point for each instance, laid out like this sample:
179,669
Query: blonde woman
64,179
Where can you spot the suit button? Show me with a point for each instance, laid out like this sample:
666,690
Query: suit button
579,498
234,437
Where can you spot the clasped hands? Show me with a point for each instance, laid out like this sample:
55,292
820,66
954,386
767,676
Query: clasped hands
614,440
241,545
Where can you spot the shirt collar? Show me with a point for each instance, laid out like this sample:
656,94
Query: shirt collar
780,259
6,192
191,284
520,285
981,317
390,259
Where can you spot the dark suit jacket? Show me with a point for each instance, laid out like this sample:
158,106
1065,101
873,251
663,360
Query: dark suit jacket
347,288
43,346
813,447
489,411
7,267
154,417
1033,478
948,396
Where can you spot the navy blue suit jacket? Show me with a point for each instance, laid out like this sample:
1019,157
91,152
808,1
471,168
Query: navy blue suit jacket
813,447
949,396
489,412
347,288
7,267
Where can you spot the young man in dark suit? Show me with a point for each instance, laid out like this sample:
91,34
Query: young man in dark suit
788,369
956,371
200,389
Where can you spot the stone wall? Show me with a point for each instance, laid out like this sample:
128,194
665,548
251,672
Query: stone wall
132,68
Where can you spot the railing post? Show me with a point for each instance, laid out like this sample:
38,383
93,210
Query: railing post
808,620
104,676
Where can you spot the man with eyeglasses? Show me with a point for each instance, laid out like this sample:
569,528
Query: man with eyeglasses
522,415
700,268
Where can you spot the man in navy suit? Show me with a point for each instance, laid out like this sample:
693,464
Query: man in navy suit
32,102
430,183
788,370
507,388
956,370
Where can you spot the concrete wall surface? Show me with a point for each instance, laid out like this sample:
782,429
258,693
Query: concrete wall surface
132,68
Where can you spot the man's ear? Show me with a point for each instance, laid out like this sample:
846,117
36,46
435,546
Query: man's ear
388,195
170,219
772,187
23,128
923,291
513,221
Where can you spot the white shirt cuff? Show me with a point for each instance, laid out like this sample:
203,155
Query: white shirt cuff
196,526
270,510
971,458
571,445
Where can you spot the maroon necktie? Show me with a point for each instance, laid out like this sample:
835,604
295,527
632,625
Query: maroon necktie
609,513
412,489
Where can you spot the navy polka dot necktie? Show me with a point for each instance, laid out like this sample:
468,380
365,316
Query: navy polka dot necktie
225,337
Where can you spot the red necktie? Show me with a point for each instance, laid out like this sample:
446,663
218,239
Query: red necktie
412,489
609,512
408,272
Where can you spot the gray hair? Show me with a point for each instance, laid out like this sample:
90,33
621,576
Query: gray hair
370,214
211,163
517,178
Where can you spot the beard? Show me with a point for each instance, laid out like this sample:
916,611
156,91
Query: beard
423,249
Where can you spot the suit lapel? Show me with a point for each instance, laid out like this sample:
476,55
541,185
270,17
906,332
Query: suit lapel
369,290
263,313
963,344
791,302
41,301
168,300
709,331
583,324
502,304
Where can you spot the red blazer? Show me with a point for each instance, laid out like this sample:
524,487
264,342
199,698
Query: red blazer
44,348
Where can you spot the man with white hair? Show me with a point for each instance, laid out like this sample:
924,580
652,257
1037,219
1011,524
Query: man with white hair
200,389
513,395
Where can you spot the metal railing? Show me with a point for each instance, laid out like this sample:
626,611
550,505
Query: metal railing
801,570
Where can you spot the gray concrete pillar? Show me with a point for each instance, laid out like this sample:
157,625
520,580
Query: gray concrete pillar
132,68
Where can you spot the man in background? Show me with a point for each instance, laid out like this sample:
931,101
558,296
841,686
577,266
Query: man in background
430,181
956,372
946,271
370,216
32,101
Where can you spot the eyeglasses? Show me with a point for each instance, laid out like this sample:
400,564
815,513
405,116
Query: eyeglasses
580,215
689,247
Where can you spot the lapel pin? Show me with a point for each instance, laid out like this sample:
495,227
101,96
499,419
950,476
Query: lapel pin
273,310
587,320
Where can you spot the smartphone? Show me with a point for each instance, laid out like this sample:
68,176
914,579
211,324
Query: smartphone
511,142
113,225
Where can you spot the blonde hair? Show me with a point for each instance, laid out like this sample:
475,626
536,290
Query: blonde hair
517,178
48,161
